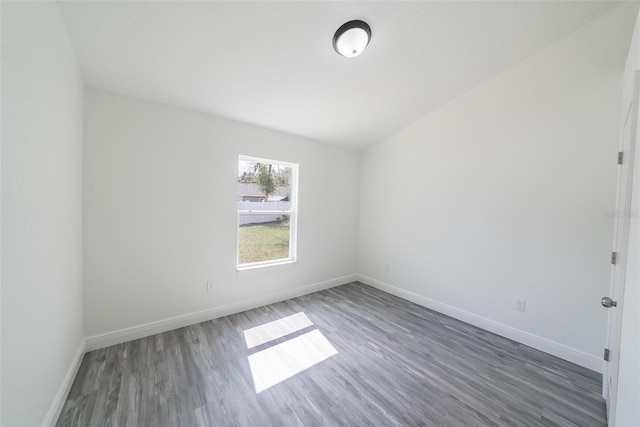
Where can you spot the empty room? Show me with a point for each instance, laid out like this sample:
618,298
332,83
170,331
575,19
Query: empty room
319,213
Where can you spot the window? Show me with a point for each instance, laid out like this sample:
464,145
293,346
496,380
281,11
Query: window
267,199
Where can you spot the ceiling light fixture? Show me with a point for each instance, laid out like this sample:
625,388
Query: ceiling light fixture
351,38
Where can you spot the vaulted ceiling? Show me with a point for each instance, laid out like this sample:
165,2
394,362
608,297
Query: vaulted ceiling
272,64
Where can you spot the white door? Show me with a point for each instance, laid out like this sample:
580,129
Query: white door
622,215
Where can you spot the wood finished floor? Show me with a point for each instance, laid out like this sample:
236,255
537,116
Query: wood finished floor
398,364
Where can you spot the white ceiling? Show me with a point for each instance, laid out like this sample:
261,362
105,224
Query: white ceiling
272,63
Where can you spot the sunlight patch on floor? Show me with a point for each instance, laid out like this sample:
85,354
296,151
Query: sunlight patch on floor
276,329
281,362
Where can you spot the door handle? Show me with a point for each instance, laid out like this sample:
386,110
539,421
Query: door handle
608,302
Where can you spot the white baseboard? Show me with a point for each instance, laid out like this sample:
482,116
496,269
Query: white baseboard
562,351
61,396
123,335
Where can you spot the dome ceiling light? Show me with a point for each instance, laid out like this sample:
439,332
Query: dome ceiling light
352,38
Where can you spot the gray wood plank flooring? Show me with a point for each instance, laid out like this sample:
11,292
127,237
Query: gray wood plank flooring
398,364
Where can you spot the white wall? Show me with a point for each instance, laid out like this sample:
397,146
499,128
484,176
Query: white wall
160,188
627,408
510,184
42,110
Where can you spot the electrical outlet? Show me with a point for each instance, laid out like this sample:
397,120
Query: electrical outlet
521,305
210,286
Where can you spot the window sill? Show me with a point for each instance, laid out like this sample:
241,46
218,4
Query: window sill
254,266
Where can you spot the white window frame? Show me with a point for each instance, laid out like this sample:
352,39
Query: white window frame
292,212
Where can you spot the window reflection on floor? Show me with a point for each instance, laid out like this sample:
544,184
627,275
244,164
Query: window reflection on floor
280,362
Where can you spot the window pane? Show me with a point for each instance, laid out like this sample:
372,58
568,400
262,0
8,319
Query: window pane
262,238
263,186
